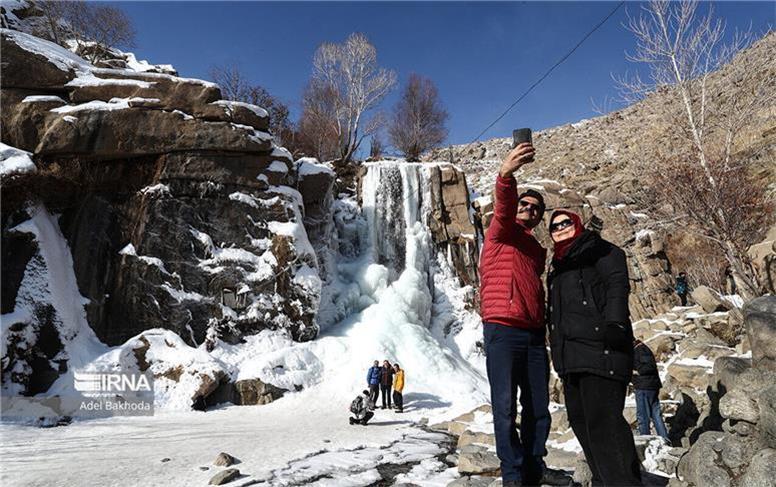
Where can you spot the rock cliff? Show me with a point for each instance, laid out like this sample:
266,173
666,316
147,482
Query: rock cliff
177,209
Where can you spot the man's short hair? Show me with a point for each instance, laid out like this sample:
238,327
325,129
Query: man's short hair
533,194
365,392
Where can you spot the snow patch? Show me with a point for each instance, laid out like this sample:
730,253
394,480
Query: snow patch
15,161
42,98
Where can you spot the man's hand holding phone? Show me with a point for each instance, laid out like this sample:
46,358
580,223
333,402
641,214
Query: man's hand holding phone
518,157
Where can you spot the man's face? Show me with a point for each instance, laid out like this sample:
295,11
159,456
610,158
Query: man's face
529,211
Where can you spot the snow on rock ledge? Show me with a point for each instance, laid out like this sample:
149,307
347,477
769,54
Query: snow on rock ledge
195,227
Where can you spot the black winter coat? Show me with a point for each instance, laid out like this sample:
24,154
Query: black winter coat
588,317
644,363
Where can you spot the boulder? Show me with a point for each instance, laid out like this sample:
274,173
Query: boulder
255,392
470,437
662,346
477,462
699,468
762,469
740,406
711,352
456,428
33,63
557,458
766,403
763,257
709,299
224,460
224,477
694,376
473,481
760,322
727,371
560,420
443,426
582,473
109,130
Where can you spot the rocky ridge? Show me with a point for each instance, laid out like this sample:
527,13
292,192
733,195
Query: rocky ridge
607,157
194,223
718,403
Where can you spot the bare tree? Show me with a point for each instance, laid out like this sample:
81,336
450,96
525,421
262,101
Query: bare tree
703,176
55,29
97,29
348,73
236,87
418,122
317,133
376,146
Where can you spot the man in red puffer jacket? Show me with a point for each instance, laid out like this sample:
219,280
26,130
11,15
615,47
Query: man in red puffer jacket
512,308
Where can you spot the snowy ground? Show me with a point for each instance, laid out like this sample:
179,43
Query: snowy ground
129,451
303,438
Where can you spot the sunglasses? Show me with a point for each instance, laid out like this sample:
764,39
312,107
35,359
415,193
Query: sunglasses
530,206
561,225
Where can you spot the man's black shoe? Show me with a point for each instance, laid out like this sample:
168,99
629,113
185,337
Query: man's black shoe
555,477
512,483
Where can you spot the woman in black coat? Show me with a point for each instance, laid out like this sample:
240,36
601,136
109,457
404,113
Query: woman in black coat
592,345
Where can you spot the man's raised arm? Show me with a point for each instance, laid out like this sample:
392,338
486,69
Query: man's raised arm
505,207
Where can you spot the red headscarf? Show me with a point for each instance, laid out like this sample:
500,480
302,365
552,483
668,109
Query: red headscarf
562,247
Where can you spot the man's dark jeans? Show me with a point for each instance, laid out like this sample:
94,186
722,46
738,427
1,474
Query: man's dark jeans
374,392
517,359
648,407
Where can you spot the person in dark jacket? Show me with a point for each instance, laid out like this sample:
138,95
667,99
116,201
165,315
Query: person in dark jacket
682,288
647,384
386,382
592,345
512,302
373,376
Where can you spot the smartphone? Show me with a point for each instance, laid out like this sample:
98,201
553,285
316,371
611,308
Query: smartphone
521,135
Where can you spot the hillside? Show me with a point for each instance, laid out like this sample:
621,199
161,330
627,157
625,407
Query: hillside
607,156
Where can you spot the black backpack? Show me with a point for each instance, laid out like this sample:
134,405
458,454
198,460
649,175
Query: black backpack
355,405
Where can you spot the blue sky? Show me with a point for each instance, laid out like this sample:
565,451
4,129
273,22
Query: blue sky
481,55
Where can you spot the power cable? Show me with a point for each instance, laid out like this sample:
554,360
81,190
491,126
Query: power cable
547,73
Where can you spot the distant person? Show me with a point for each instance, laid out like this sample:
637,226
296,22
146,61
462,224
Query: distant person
398,386
512,297
362,408
647,384
373,381
386,381
682,287
592,345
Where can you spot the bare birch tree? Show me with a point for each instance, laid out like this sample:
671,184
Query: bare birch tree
349,74
703,176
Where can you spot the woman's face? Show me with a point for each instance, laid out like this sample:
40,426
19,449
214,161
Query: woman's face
561,228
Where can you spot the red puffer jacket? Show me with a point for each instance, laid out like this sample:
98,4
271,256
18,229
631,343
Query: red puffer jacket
511,265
